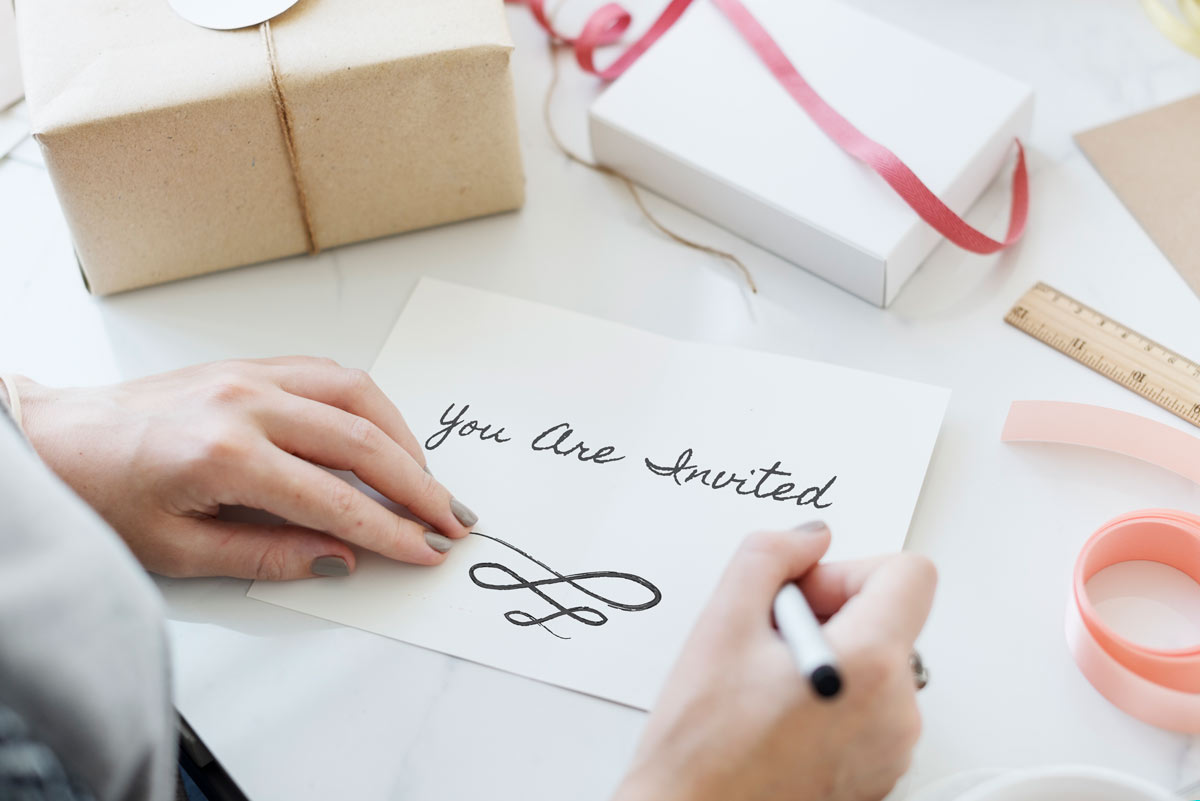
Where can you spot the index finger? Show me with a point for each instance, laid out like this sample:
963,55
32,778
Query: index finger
304,494
886,599
349,389
829,585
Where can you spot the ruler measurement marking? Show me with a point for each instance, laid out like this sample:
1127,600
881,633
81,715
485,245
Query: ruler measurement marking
1140,341
1134,353
1136,362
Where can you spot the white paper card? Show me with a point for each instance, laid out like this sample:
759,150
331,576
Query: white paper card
688,448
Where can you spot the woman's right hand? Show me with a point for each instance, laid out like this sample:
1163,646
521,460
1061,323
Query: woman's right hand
737,722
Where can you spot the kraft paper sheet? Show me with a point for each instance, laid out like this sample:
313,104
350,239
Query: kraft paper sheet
1150,162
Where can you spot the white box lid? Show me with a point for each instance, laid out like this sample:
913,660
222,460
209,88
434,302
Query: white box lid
702,95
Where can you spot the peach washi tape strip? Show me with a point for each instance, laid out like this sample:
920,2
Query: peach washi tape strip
1156,685
1107,429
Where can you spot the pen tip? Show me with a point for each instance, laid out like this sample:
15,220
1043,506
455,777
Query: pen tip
826,681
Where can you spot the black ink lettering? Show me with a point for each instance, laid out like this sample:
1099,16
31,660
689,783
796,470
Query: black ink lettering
497,435
601,454
817,493
718,483
767,472
780,493
741,486
440,436
684,462
578,450
553,446
451,421
589,616
685,470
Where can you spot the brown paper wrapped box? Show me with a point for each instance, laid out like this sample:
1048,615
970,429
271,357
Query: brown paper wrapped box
166,142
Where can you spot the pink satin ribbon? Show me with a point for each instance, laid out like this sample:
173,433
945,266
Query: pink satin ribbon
1157,685
606,25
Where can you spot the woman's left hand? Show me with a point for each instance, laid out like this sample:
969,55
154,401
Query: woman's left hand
158,457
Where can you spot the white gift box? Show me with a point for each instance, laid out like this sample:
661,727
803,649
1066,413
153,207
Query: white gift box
700,120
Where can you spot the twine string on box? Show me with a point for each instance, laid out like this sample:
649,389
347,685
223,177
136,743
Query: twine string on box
608,23
289,141
629,184
286,128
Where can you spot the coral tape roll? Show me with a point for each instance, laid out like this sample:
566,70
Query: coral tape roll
1158,686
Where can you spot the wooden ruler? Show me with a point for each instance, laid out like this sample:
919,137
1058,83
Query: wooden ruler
1135,362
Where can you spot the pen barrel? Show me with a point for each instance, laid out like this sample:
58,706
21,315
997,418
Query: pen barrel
801,631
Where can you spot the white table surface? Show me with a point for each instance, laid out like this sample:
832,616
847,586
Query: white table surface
297,708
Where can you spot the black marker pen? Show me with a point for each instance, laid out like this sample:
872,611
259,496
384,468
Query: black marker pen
802,632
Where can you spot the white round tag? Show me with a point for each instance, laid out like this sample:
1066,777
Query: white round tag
225,15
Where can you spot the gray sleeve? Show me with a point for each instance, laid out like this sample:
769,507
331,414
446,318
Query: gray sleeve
83,658
30,770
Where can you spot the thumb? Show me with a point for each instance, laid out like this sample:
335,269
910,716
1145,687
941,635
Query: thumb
764,563
268,552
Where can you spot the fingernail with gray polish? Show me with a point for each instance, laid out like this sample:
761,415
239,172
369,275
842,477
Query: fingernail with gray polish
464,515
811,527
437,542
330,566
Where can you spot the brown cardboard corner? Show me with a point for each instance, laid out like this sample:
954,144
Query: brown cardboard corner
82,273
1149,162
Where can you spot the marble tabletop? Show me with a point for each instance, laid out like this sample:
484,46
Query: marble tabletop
298,708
